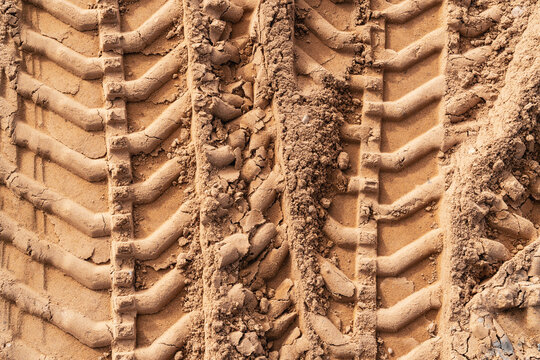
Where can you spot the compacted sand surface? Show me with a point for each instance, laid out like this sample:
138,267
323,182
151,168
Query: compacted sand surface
269,179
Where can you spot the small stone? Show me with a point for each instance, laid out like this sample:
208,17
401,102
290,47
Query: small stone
513,187
507,345
264,305
499,165
390,351
325,203
432,329
343,160
517,12
520,149
235,337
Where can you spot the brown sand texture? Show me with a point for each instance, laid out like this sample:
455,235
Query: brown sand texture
269,179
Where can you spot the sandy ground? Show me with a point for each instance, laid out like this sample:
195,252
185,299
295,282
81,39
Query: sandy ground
269,179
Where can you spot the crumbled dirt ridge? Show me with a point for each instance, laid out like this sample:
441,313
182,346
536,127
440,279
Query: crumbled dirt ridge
273,179
498,148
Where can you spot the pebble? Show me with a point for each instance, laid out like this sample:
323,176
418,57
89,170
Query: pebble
432,329
499,165
390,351
264,305
507,345
325,203
517,12
343,160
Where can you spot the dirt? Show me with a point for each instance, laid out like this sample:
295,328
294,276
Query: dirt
272,179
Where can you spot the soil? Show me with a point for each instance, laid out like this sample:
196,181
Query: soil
269,179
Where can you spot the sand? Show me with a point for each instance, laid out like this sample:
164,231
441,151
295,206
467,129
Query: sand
269,179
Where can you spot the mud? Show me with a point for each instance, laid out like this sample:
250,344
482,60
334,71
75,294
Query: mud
269,179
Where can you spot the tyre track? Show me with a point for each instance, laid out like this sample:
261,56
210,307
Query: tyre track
375,171
412,92
34,167
511,232
249,251
181,161
117,223
233,228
